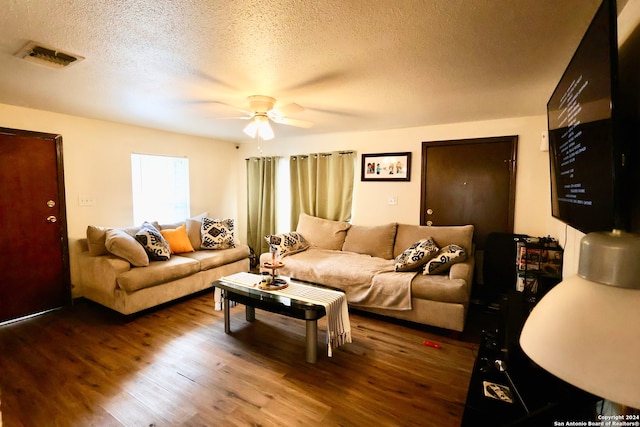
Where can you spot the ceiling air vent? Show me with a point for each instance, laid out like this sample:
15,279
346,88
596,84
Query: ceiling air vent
47,56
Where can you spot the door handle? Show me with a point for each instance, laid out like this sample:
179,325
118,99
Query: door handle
51,218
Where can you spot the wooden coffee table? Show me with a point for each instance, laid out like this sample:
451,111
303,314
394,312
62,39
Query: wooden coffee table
253,298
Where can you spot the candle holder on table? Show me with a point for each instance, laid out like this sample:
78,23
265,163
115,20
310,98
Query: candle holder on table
271,281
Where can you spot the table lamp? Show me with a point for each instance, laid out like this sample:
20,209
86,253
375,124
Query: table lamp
585,329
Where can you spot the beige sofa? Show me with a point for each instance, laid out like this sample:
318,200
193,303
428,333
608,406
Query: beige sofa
114,273
361,260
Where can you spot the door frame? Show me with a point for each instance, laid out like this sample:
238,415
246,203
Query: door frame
512,139
64,234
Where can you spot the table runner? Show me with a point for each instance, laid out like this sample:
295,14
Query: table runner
334,302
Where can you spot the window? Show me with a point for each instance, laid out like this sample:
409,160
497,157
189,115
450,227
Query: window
160,188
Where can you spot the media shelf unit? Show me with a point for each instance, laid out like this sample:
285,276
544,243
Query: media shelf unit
538,267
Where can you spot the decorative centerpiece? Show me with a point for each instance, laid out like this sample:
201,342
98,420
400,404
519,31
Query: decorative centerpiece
271,281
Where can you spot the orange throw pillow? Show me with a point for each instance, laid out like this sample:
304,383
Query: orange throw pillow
178,239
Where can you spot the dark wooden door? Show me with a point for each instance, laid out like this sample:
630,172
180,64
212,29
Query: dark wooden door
34,261
470,181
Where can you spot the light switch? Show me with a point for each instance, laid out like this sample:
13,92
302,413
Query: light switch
393,200
84,200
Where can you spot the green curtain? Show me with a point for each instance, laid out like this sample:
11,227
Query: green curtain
322,185
261,201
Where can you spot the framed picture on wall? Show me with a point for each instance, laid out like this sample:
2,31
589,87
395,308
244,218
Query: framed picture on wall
386,167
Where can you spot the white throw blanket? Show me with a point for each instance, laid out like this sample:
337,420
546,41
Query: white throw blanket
368,282
334,302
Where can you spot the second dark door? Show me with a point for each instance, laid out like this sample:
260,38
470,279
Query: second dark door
470,181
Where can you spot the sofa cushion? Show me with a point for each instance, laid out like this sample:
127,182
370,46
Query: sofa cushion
322,233
408,234
445,258
286,243
376,241
213,259
416,255
151,239
217,233
178,239
157,272
123,245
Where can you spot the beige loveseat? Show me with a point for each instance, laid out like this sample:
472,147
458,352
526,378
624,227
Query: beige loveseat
114,273
361,260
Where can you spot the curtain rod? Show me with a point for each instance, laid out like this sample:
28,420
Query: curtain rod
259,158
304,156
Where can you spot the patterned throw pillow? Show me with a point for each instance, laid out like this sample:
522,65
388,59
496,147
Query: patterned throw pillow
151,239
287,243
445,258
417,255
217,234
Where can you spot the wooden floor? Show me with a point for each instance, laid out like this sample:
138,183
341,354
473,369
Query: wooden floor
85,366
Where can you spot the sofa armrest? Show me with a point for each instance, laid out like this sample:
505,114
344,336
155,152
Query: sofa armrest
100,272
463,270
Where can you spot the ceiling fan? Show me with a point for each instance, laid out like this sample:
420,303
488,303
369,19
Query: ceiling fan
262,111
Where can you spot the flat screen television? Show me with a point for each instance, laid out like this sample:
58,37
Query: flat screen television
585,140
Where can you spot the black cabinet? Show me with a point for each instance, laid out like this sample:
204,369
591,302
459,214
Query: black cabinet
537,397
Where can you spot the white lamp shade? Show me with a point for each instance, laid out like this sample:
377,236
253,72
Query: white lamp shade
259,126
264,129
586,333
251,129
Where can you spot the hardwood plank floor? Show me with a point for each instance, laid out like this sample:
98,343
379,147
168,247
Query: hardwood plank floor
175,366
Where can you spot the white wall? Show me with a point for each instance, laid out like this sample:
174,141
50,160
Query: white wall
97,163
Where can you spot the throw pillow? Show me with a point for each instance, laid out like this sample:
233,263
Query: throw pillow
445,258
178,239
323,233
151,239
417,255
96,240
217,234
122,244
287,243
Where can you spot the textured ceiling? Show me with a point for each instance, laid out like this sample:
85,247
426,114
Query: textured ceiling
353,64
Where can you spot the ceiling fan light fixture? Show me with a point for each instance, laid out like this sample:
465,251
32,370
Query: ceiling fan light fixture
251,129
259,126
264,129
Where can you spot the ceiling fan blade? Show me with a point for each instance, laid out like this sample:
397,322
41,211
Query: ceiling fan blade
210,78
214,102
292,122
287,110
332,77
234,118
337,112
